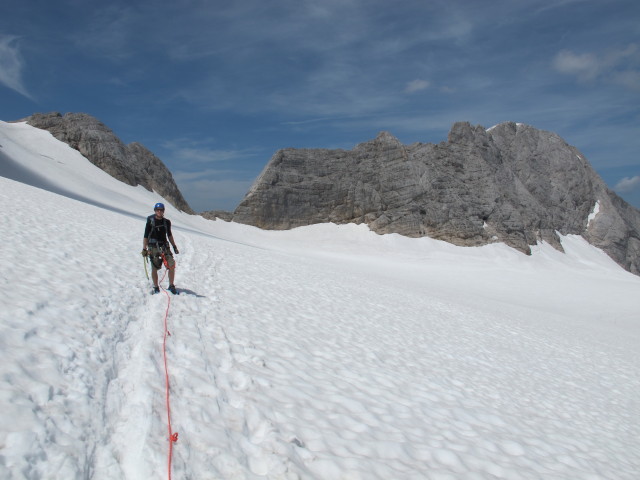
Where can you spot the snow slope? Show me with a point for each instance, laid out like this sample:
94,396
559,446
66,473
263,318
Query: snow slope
326,352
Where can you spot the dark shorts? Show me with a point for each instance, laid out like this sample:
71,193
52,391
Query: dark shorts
156,256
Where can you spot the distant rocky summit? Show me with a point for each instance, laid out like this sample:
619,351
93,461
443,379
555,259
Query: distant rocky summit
511,183
132,164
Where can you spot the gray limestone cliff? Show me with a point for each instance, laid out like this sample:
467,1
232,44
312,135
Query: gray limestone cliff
132,164
512,183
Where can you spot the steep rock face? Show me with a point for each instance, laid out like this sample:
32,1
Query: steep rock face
512,183
132,164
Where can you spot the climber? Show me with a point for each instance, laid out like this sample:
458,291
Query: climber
155,246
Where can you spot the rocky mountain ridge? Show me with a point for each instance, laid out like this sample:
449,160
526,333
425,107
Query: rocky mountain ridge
132,164
512,183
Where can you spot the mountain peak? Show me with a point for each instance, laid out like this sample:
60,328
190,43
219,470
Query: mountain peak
132,164
512,183
385,136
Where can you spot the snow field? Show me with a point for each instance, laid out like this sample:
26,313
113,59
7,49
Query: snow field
321,353
65,307
380,392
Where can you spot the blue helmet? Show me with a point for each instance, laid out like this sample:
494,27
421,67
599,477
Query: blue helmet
158,206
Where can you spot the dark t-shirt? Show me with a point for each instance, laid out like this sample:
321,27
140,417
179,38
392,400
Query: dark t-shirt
156,230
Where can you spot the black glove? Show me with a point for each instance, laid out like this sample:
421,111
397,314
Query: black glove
175,250
145,252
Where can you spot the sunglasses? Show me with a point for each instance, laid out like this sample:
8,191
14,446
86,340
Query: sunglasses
159,209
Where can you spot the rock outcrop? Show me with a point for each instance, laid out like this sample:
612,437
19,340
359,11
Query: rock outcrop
217,214
132,164
512,183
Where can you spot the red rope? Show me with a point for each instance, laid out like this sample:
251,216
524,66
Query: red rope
173,437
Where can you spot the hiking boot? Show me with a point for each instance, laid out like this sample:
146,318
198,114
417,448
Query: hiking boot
156,289
172,289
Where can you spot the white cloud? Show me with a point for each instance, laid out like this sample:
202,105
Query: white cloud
628,184
616,66
416,85
585,64
12,65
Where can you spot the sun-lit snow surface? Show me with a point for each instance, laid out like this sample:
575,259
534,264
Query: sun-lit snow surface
327,352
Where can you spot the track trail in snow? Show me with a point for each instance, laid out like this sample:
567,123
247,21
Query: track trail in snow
82,342
211,392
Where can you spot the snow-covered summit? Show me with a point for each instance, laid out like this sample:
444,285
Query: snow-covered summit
325,352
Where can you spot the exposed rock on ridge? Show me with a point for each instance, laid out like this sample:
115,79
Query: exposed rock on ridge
512,183
217,214
132,164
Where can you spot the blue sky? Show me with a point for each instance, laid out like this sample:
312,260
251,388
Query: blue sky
214,88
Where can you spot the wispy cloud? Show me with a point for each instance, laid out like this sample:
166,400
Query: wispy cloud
211,178
629,79
204,173
12,65
211,193
195,152
110,32
416,85
346,58
584,65
628,184
557,4
620,66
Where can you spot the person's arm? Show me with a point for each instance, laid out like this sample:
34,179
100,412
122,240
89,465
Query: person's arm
147,232
170,237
